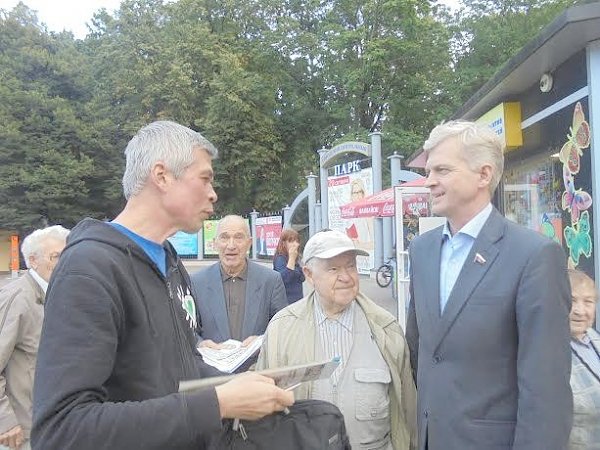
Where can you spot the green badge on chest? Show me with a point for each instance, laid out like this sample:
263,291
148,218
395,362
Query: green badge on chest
189,305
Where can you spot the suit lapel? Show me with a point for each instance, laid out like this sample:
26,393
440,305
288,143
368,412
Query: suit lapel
472,272
252,302
216,301
433,253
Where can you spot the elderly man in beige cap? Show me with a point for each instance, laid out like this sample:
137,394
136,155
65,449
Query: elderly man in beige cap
373,385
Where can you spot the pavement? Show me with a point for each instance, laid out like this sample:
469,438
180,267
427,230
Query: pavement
368,286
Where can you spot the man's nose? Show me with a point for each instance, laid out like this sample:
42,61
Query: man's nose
430,180
212,196
344,274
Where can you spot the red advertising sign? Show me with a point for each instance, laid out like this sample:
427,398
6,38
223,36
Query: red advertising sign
14,253
268,231
382,204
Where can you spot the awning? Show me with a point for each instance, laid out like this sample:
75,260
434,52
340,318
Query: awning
382,203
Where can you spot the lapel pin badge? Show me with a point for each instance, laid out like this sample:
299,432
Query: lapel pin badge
479,259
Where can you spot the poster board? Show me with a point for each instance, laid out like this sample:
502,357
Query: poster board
185,244
342,190
209,233
268,232
411,204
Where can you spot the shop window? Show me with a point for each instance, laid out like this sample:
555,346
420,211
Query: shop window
533,193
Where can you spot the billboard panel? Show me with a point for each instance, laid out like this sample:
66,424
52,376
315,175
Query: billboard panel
343,189
209,231
185,244
268,231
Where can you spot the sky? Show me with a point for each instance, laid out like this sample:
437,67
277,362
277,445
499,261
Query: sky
73,15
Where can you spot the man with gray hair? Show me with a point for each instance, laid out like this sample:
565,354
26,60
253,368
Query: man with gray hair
119,332
373,385
21,317
488,321
236,297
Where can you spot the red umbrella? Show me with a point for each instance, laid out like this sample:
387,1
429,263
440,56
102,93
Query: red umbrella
382,203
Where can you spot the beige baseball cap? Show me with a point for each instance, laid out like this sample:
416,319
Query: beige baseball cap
327,244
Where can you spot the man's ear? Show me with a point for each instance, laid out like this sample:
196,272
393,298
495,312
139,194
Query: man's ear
160,175
485,175
307,274
33,262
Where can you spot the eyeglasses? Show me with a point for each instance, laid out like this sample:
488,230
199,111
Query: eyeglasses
357,192
54,256
238,238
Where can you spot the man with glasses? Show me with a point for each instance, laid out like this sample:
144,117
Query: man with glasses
21,317
235,297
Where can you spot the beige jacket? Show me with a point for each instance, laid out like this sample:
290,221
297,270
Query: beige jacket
21,317
290,340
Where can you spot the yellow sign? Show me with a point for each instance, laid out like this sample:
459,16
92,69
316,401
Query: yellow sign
505,120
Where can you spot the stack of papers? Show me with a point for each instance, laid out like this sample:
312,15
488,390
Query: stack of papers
284,377
231,356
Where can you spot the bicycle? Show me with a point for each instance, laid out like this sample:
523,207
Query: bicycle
385,273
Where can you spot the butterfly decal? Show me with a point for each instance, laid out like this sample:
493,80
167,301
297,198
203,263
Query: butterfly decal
574,200
547,229
577,140
578,238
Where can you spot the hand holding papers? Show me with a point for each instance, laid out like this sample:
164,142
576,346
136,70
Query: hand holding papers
284,377
230,355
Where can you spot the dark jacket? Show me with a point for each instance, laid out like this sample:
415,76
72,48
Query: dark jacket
292,279
115,344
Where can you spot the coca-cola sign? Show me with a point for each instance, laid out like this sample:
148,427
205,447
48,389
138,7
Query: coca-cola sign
347,212
388,209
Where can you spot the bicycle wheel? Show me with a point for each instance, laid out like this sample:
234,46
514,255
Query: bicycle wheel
384,275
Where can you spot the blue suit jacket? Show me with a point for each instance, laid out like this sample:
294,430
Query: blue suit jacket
493,368
265,296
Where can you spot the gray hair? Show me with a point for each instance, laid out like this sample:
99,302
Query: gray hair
480,145
32,244
234,217
163,141
577,277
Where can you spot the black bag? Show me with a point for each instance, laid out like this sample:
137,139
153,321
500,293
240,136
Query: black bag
309,425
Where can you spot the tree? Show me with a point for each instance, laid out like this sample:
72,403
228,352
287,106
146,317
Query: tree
268,81
487,33
43,165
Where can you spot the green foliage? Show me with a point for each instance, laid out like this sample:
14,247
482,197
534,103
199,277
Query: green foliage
268,81
487,33
43,165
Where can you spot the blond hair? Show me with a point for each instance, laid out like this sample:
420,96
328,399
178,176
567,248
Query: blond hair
480,146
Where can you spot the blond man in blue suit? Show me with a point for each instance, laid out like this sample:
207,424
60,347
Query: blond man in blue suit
488,322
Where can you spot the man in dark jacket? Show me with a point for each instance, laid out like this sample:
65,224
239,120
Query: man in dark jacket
118,334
